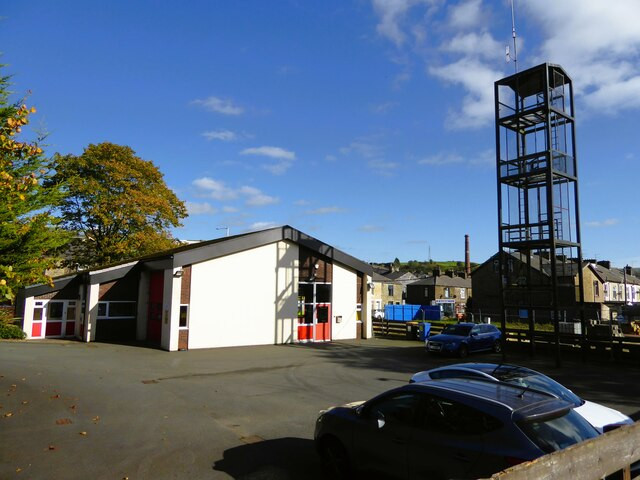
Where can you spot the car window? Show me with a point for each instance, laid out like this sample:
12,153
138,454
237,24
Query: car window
558,432
487,329
401,407
447,416
454,373
461,330
476,329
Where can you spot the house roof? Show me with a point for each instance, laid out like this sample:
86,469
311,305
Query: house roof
400,276
444,281
207,250
614,275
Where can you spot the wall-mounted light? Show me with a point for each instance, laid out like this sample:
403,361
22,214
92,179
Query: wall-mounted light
178,273
371,286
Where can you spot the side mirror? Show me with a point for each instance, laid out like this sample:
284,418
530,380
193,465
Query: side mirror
359,410
380,420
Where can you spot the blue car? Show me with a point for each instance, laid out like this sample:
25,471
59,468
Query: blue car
448,428
463,338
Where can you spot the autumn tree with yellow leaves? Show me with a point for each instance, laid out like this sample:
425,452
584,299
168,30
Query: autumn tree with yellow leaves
117,204
29,236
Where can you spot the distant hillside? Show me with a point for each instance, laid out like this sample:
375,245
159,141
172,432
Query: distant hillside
426,268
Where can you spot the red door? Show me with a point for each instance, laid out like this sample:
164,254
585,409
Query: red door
323,323
154,318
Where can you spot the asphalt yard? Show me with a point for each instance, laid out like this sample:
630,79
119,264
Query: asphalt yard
104,411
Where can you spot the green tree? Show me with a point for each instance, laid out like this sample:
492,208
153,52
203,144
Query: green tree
117,203
28,234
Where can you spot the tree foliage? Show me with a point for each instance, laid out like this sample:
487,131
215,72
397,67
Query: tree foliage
28,237
117,203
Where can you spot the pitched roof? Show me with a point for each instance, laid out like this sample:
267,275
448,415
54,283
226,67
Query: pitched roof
614,275
202,251
444,281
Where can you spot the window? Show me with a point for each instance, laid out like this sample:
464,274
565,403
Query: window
323,293
55,310
447,416
390,290
71,311
397,408
463,293
426,292
184,316
447,292
117,309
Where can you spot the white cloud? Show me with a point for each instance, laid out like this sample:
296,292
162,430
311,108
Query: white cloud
477,78
204,208
598,43
381,108
216,189
325,210
330,158
441,159
229,209
482,44
219,105
256,198
392,14
609,222
285,158
362,148
262,226
224,135
301,203
466,14
273,152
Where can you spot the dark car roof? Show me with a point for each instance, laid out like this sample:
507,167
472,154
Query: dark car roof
526,402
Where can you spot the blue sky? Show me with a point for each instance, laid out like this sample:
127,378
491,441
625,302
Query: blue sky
365,123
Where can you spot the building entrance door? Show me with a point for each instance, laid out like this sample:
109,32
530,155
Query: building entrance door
314,312
154,317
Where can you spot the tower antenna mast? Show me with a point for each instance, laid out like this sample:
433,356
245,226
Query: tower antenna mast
513,35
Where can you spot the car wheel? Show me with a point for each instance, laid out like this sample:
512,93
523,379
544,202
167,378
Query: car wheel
463,351
335,460
497,346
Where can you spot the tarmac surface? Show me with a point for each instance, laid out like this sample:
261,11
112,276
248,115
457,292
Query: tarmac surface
71,410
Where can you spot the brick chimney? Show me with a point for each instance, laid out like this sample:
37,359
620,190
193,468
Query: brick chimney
467,260
436,272
605,263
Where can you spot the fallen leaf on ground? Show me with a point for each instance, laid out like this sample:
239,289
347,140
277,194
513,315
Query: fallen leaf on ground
96,418
8,414
18,470
82,433
52,447
56,396
63,421
24,402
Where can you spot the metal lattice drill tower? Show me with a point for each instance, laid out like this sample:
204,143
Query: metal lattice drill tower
538,213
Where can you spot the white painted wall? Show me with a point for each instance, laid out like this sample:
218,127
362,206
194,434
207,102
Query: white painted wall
247,298
91,313
27,323
345,284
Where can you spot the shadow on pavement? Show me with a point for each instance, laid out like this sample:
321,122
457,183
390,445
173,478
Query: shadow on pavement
279,459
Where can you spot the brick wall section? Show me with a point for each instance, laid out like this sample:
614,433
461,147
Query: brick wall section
185,290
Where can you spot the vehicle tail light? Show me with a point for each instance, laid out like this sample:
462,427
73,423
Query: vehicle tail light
513,461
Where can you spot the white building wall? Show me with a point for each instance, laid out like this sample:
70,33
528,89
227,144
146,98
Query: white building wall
247,298
27,323
345,284
170,309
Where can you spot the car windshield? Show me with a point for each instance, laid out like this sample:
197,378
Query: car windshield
461,330
559,432
537,381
